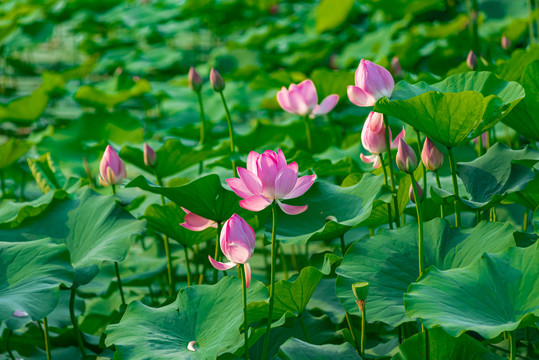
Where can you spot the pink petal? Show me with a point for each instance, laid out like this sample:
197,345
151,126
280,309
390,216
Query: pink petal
286,180
239,188
255,203
359,97
371,158
327,105
281,160
267,172
375,121
196,222
292,209
247,274
297,101
395,143
302,185
237,240
308,92
219,265
283,100
251,161
250,180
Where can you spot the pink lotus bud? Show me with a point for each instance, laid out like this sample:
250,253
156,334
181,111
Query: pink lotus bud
216,80
419,192
195,81
396,66
471,60
268,178
373,82
150,159
111,168
302,100
506,43
237,244
196,222
373,138
191,346
20,314
432,158
406,158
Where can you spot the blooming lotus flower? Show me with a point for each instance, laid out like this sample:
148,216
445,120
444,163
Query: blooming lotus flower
430,155
196,222
419,192
237,244
406,159
111,168
373,138
268,178
150,158
302,100
373,82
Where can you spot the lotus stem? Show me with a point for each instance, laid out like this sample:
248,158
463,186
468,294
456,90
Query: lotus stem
216,254
352,332
202,118
525,221
272,280
46,338
391,176
187,267
74,321
302,322
170,272
389,217
230,133
282,255
422,165
361,305
439,185
245,322
513,345
308,132
113,189
455,185
472,25
120,287
530,20
419,224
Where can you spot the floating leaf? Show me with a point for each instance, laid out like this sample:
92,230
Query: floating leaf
12,150
295,349
25,109
329,16
91,96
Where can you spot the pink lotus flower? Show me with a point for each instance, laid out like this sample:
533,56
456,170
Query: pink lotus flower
237,244
406,159
150,158
373,138
373,82
195,81
302,100
196,222
419,192
111,168
216,81
268,178
432,158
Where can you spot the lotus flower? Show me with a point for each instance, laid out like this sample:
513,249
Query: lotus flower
268,178
216,80
195,81
406,159
111,168
373,138
196,222
471,60
302,100
373,82
432,158
150,158
237,244
419,192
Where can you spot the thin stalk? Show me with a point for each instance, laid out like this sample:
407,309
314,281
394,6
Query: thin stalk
357,346
453,167
391,176
439,185
187,266
302,322
230,133
513,345
363,330
419,224
530,20
293,257
472,25
480,146
272,280
263,249
75,323
216,254
308,132
202,118
170,272
120,287
389,216
114,189
422,165
245,322
45,331
283,261
525,221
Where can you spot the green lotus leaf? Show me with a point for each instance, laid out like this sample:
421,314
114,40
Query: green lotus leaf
295,349
25,109
92,96
12,150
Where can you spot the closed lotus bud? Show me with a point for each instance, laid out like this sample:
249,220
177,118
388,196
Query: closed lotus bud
111,168
372,82
195,81
217,82
396,68
432,158
150,159
406,158
506,43
471,60
20,314
419,192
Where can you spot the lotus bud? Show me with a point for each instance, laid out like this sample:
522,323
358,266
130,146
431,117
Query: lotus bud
195,81
191,346
430,155
216,81
419,192
396,68
111,168
20,314
406,158
372,82
506,43
150,159
471,60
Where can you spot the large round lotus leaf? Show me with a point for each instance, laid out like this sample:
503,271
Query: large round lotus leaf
94,228
295,349
91,96
455,110
493,295
12,150
12,214
388,261
349,205
204,196
211,315
443,347
30,276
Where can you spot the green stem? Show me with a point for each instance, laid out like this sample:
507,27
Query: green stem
216,254
389,216
354,338
46,338
170,271
120,287
391,176
75,322
525,221
202,118
419,224
308,132
187,266
230,133
302,322
419,148
453,167
439,185
283,261
114,189
530,20
245,322
513,345
472,25
363,330
272,280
